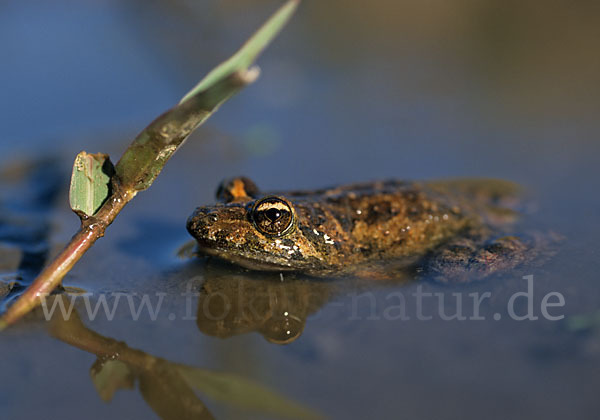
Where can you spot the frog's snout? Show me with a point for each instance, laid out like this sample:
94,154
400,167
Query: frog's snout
201,219
209,224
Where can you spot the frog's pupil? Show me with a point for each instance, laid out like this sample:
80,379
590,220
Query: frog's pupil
273,214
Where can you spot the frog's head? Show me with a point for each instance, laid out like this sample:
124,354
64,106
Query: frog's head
250,229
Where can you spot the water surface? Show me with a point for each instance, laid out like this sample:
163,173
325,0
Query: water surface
347,93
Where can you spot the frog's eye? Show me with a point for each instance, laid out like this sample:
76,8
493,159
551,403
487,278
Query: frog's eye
272,216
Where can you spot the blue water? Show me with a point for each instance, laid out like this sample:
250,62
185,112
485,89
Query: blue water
347,93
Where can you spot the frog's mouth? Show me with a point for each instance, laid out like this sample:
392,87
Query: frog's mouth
241,260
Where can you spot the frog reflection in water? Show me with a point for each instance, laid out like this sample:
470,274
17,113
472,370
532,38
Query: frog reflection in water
450,230
234,302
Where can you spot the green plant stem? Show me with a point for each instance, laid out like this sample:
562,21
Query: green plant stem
169,131
72,331
145,158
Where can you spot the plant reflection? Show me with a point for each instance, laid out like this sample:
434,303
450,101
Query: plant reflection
169,388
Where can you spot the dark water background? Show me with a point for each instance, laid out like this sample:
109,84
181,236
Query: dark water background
349,92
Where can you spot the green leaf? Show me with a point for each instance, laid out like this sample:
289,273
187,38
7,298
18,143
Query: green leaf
246,55
90,182
146,156
244,394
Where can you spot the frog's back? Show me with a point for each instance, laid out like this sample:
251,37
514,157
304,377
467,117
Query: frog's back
389,219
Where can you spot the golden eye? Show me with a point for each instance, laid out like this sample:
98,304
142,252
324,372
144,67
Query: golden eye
272,216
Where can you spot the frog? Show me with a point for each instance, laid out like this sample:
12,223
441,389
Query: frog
450,230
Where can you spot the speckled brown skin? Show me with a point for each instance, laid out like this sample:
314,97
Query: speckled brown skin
358,228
